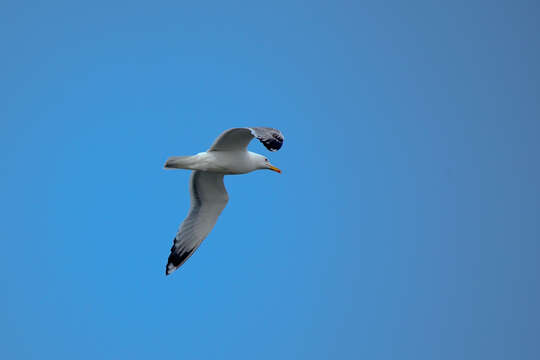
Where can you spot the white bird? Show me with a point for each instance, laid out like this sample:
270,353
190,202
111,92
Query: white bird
228,155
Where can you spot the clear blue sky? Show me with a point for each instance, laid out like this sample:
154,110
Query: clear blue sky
405,224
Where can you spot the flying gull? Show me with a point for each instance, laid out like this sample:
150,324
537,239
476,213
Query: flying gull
228,155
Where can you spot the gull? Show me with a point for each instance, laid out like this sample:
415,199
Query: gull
228,155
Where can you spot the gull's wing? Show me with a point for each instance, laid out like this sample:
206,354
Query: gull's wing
208,199
239,138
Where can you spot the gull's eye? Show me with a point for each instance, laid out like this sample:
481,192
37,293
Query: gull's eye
266,160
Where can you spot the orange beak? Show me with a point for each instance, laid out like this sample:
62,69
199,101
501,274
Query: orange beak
273,168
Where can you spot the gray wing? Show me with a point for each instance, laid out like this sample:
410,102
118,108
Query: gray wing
208,199
239,138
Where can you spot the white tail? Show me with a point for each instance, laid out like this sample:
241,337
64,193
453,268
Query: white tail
179,162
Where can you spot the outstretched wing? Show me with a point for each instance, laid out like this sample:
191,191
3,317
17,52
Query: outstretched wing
208,199
239,138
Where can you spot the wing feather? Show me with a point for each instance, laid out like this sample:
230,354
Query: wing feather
208,199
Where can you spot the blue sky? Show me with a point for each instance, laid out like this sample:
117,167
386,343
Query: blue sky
404,225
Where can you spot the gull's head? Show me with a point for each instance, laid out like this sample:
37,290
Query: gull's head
264,163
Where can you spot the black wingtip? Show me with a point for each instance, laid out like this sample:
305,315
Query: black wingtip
176,260
170,268
272,143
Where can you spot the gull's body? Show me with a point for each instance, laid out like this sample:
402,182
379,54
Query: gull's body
226,162
228,155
